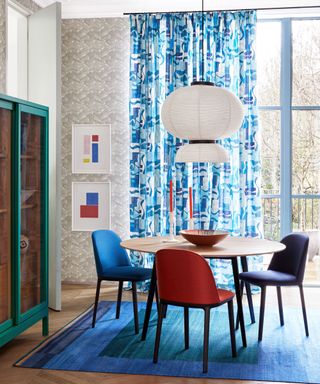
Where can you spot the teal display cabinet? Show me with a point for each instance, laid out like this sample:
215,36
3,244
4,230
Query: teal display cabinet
23,216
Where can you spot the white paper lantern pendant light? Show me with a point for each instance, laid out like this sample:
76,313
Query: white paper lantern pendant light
202,113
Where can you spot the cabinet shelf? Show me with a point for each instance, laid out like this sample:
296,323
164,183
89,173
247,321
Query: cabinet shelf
3,156
3,210
32,236
3,265
28,206
28,157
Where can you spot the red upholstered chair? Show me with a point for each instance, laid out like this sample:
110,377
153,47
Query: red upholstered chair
185,279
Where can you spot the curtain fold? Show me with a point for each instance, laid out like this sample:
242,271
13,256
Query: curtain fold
167,51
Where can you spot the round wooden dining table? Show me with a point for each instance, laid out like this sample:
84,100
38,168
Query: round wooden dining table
229,248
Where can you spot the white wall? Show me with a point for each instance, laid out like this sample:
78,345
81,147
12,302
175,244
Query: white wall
45,88
103,8
17,54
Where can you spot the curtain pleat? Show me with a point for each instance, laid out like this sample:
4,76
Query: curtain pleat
166,53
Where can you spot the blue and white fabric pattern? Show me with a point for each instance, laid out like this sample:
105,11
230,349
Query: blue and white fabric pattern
166,53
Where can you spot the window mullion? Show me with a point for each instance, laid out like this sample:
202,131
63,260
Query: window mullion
286,129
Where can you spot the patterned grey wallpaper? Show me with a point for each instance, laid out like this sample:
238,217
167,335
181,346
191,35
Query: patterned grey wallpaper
3,36
95,70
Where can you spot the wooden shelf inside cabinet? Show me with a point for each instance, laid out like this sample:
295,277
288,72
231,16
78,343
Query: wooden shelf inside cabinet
33,236
2,156
3,210
28,157
27,206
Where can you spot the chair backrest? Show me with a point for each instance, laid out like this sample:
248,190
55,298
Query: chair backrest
107,251
292,259
185,277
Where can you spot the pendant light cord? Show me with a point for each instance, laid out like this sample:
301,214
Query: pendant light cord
202,40
202,80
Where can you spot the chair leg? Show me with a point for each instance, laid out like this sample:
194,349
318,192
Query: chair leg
119,299
231,325
304,312
250,302
96,303
186,327
164,312
206,338
153,284
280,306
237,289
135,307
157,299
241,293
244,264
262,307
158,334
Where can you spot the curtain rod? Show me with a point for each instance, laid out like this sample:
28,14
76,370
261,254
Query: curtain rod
230,10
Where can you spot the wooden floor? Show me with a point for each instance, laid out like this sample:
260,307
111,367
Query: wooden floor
312,273
76,298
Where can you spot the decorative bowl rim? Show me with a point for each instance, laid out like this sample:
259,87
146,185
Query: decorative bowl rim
210,232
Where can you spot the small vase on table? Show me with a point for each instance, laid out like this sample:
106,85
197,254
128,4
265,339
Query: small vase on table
191,219
171,238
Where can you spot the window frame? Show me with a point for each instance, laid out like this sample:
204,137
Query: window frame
285,109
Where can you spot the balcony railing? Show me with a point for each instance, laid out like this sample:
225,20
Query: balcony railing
305,214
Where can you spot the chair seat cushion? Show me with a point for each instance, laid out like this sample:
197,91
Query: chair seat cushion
269,277
225,295
127,273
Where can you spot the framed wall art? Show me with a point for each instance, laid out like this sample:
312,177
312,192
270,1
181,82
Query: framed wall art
91,148
91,204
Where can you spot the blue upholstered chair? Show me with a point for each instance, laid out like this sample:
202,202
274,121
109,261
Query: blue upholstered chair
113,264
286,269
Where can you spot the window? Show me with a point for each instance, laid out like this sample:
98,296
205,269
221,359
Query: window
268,93
288,77
305,124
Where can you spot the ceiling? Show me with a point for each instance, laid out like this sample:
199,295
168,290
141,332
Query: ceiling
116,8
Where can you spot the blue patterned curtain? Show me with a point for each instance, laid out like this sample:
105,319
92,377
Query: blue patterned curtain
166,52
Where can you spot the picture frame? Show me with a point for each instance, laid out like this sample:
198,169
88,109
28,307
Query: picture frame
91,148
91,206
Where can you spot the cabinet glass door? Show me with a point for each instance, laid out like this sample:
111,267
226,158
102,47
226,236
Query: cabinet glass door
31,203
5,215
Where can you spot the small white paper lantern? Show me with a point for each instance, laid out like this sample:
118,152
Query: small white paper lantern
202,153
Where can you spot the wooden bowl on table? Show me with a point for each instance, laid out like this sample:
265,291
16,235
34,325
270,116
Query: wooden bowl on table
203,237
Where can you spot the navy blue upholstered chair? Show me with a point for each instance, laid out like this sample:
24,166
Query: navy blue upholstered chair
113,264
286,269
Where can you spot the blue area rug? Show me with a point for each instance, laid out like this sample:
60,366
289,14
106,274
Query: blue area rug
285,354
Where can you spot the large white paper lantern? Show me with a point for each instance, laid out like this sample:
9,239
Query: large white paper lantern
202,113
